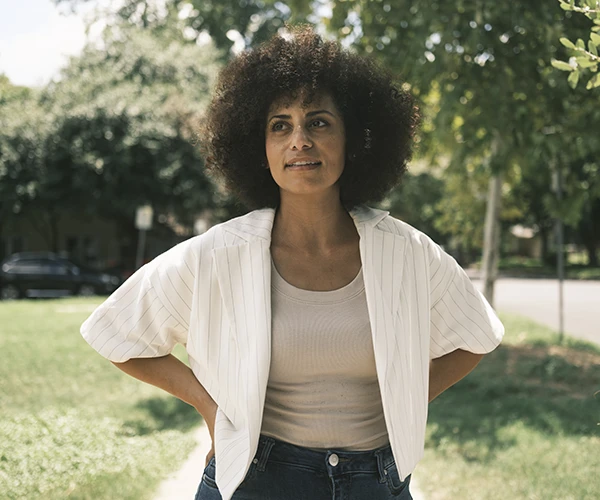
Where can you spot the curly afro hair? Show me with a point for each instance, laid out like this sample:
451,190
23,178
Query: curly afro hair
380,118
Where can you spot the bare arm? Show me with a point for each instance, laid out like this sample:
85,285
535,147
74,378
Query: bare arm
175,377
445,371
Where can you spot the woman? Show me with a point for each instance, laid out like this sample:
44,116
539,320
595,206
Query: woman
317,328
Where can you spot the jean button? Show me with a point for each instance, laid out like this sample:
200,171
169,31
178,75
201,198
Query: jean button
333,459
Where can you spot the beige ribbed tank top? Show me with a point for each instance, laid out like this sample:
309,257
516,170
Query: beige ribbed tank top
322,390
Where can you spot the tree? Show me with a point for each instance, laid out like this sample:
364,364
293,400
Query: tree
583,59
24,128
115,132
416,202
244,23
10,92
485,60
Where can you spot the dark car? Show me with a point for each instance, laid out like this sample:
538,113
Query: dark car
36,274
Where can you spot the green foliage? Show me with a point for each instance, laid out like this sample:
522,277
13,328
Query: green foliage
24,128
416,202
485,72
132,112
10,92
462,206
491,100
584,59
72,424
116,131
249,22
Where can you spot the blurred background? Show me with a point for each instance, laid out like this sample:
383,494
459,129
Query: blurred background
100,172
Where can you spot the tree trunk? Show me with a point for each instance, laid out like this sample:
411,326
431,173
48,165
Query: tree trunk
545,257
491,242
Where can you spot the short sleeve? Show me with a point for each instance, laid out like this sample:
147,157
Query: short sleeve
461,317
148,314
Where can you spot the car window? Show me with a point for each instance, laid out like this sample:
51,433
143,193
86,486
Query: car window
55,268
40,266
25,267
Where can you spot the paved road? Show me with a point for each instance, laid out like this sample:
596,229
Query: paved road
538,300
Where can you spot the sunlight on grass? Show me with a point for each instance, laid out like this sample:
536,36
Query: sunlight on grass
73,425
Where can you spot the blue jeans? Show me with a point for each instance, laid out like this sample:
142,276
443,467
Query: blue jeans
283,471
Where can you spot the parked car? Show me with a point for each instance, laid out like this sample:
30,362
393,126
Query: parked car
43,274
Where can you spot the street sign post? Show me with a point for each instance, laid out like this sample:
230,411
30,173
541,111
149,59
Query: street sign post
143,222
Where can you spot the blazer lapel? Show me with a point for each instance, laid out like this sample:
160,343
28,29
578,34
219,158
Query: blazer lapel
383,255
244,275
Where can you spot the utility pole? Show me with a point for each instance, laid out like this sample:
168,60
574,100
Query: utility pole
560,261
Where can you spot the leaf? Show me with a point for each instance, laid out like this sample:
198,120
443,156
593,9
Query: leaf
567,43
585,62
565,6
561,65
580,43
573,79
593,82
595,38
592,48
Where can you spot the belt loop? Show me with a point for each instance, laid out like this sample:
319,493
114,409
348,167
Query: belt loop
381,467
264,454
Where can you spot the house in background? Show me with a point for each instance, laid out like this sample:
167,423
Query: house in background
524,241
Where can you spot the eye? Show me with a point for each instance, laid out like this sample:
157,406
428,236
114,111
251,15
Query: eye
318,122
278,126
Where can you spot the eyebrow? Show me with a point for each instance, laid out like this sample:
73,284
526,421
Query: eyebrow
309,114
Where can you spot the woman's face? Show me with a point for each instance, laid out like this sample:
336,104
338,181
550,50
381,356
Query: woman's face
305,146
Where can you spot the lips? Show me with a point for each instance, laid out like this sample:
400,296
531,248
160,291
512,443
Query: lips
302,167
303,163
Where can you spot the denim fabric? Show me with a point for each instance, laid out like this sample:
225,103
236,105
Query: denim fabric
283,471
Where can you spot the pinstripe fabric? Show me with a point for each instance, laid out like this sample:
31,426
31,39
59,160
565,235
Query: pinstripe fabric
212,293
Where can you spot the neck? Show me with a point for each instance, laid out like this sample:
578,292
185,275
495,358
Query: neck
318,228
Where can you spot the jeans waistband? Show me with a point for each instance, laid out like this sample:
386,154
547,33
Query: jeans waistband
330,461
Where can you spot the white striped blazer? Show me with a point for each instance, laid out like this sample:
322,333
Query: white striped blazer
212,293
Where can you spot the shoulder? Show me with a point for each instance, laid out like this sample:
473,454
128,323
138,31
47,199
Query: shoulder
417,240
226,233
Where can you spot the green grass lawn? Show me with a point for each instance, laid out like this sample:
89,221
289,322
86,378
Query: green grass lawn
73,425
524,425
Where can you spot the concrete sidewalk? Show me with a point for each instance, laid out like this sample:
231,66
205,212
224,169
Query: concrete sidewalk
183,484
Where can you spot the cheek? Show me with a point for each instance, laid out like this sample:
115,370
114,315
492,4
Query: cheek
337,144
272,149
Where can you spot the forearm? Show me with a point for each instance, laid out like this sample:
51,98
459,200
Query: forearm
171,375
445,371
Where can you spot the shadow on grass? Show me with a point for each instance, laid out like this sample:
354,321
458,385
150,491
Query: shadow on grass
163,413
550,389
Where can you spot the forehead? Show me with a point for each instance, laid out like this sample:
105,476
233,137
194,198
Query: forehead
321,100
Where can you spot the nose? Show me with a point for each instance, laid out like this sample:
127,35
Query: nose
299,139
